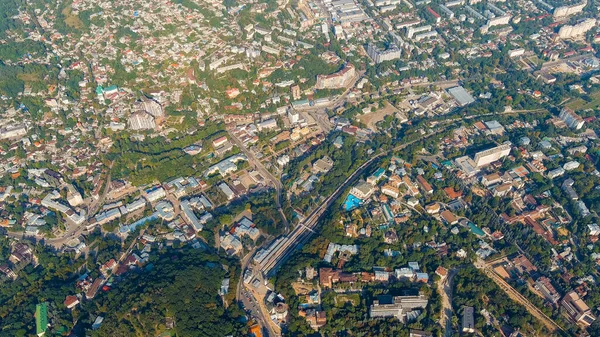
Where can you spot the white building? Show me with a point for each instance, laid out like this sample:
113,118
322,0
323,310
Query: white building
571,118
141,120
486,157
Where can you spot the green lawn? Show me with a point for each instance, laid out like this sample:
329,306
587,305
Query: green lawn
581,104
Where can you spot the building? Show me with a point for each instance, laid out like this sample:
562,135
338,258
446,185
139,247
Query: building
489,156
231,244
568,31
378,56
15,131
461,96
544,286
71,301
73,196
155,194
296,94
322,165
468,320
227,191
149,106
555,173
419,333
337,80
362,190
571,118
516,52
435,15
411,30
141,120
404,308
574,307
563,11
268,124
190,216
571,165
391,191
424,184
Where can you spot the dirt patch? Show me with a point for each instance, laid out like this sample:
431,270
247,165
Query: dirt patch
71,20
370,119
302,288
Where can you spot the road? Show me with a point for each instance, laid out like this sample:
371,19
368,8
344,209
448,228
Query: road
445,287
517,297
281,250
74,231
253,310
248,301
258,165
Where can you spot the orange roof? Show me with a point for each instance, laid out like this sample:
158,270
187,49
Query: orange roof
256,330
452,194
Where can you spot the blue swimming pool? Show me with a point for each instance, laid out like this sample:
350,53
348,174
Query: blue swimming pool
352,202
476,230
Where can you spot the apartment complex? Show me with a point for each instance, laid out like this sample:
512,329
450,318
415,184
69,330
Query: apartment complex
378,56
571,118
337,80
486,157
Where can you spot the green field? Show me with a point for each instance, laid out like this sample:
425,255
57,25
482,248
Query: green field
340,300
581,104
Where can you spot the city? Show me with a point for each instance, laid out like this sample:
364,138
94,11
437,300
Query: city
299,168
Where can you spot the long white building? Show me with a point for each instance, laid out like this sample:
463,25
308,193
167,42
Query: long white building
488,156
571,118
568,31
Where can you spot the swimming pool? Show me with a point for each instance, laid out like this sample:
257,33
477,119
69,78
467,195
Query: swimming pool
476,230
352,202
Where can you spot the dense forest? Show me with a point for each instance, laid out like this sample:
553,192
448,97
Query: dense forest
181,285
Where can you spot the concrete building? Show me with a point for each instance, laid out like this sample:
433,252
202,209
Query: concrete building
337,80
404,308
577,310
563,11
568,31
296,94
322,165
155,194
544,286
378,56
362,190
461,96
73,196
141,120
14,131
468,320
189,215
571,118
425,35
150,106
516,52
498,21
411,31
486,157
